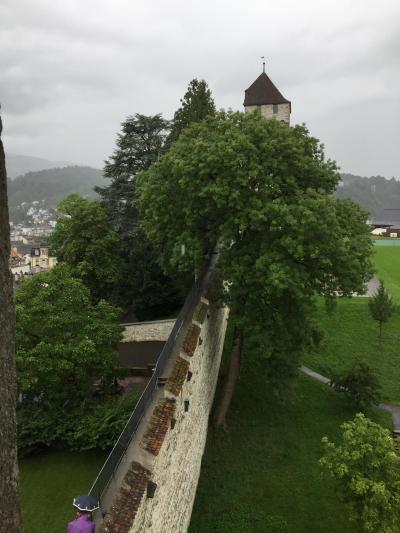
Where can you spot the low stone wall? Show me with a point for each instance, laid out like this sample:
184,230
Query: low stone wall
159,487
157,330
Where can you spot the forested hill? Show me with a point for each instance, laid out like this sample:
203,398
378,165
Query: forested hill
50,186
18,165
372,194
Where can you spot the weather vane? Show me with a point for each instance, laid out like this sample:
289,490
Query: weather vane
263,58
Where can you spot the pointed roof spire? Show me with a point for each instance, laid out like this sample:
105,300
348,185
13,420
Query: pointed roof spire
263,92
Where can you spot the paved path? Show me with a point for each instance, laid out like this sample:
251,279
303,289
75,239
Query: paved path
394,410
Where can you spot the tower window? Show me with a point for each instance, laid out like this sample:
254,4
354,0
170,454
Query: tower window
274,108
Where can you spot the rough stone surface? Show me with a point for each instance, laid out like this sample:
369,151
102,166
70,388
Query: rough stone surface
176,468
148,331
267,111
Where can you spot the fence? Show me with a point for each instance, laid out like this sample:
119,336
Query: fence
114,459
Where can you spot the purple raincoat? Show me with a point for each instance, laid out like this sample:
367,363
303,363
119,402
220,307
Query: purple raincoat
83,524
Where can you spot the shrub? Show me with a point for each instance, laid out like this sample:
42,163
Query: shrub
366,471
360,384
94,423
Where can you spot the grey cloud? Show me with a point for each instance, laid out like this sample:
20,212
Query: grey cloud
71,72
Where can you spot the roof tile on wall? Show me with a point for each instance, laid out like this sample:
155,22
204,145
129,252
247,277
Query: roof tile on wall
126,501
190,341
178,376
158,426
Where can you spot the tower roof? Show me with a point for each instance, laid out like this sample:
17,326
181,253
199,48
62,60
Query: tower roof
262,91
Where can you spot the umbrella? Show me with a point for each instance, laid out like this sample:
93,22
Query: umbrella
85,503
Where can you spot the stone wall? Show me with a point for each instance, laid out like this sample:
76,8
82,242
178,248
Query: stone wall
158,490
283,111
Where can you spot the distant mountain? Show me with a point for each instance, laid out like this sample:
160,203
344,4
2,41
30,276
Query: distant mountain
373,194
17,165
49,186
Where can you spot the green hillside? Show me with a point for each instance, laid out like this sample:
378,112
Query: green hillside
50,186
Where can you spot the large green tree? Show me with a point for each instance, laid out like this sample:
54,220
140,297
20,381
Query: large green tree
366,471
196,105
264,192
143,290
64,342
140,143
86,241
10,511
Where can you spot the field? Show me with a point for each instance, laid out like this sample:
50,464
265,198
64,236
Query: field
387,263
350,333
262,474
49,482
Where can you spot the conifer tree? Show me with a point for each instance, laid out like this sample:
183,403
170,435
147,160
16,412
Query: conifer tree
381,307
197,104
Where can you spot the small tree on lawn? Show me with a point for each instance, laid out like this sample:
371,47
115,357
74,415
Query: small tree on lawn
360,383
381,307
366,471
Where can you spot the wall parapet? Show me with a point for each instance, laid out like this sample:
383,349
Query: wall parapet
154,486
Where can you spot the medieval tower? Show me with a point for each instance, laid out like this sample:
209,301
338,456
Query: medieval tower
262,95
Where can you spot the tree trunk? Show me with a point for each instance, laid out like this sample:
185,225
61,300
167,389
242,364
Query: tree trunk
10,514
230,381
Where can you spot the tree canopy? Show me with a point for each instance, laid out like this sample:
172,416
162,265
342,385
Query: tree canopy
143,290
64,342
366,470
196,104
139,144
85,240
265,193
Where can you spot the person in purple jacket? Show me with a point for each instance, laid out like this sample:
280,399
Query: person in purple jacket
83,522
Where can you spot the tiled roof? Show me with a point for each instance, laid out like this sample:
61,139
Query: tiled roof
177,377
158,426
190,341
262,92
126,501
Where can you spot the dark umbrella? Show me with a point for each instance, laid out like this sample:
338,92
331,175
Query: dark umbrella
85,503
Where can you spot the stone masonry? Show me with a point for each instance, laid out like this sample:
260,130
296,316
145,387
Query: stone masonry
159,488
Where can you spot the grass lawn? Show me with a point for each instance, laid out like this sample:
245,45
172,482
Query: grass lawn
350,333
49,482
387,263
262,474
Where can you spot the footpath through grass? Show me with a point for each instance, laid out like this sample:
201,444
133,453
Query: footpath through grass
262,474
350,333
49,482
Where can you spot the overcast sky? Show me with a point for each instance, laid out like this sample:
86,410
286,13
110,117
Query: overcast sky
72,70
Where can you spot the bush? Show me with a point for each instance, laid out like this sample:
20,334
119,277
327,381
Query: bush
360,384
365,470
102,425
94,423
